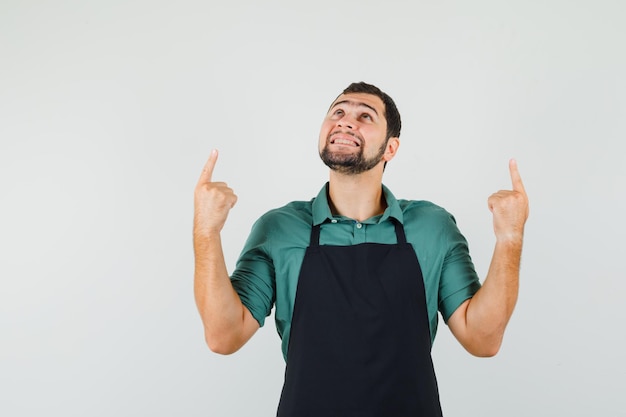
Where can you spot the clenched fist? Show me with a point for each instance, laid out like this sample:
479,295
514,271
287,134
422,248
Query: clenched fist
510,208
212,201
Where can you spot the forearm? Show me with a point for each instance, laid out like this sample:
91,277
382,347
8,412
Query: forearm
489,311
219,305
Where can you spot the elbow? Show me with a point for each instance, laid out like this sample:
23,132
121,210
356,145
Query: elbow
485,348
221,345
486,352
221,349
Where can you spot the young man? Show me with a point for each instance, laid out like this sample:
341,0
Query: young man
357,276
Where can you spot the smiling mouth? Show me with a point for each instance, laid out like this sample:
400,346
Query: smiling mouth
344,139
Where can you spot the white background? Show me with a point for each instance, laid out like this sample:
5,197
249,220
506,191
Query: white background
109,109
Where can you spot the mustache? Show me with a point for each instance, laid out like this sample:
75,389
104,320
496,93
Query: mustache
345,132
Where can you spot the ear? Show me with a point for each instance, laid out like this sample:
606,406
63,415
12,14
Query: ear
392,147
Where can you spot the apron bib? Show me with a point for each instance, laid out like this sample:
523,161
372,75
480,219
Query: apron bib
360,338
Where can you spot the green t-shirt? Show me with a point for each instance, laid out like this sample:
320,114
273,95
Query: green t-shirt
269,265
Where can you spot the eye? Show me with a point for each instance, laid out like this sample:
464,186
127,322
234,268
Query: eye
338,112
366,116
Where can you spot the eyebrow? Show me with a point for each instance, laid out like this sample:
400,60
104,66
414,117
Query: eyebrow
354,103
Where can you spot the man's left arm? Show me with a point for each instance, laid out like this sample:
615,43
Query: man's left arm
479,323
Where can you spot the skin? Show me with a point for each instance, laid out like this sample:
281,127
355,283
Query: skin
355,128
228,324
343,148
479,323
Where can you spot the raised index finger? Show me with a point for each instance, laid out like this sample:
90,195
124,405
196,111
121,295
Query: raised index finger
207,171
516,179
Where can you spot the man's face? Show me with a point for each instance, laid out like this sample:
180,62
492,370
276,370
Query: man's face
353,134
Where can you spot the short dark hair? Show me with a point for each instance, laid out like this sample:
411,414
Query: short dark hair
392,115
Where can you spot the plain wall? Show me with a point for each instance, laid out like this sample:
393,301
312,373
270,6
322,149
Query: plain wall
108,111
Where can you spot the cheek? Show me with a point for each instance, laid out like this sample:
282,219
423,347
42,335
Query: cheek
324,132
322,141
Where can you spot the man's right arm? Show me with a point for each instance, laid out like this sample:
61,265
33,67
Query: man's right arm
228,324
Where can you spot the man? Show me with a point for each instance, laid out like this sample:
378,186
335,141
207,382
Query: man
356,276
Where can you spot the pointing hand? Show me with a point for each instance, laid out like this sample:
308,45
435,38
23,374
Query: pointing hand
510,208
212,201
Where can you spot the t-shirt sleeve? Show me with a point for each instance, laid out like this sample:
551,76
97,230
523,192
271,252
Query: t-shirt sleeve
459,280
253,277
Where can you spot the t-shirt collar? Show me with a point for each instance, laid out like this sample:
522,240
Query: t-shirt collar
321,208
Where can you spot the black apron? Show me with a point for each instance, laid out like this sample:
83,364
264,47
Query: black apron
360,338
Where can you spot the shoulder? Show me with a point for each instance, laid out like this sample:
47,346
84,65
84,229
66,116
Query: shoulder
295,211
291,218
415,210
422,210
426,219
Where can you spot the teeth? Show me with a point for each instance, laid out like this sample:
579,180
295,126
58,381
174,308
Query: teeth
339,141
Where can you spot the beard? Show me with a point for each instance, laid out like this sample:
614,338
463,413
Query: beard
353,163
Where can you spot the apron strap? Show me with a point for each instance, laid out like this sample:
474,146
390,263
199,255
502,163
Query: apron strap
399,231
315,236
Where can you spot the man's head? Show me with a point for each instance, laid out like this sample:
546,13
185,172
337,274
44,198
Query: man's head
360,130
391,113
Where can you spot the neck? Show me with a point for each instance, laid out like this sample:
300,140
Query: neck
358,197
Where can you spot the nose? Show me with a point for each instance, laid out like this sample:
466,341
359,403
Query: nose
346,122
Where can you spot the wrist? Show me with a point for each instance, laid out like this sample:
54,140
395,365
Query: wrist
510,240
